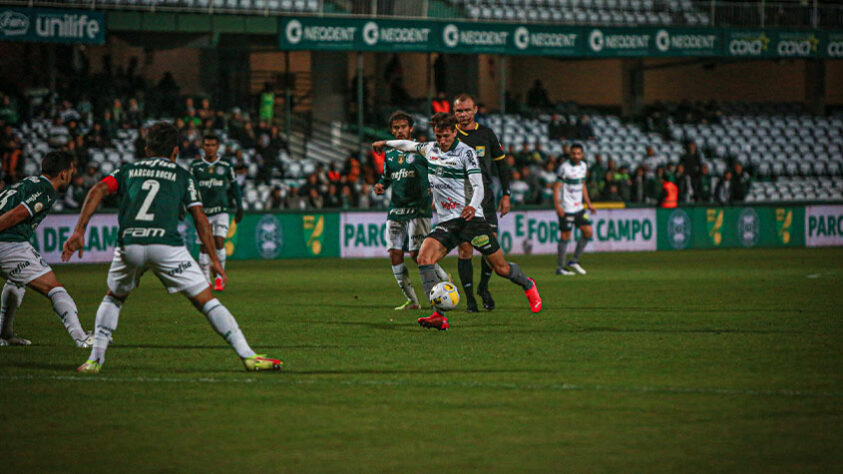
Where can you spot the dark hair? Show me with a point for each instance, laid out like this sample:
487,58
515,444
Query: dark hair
211,136
464,97
577,145
442,120
55,162
401,115
161,138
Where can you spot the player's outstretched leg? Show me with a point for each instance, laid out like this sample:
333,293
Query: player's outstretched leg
402,277
106,323
513,272
11,299
226,326
483,288
442,274
466,271
65,309
575,262
218,283
561,253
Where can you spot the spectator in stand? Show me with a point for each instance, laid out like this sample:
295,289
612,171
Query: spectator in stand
519,189
295,200
702,187
613,194
92,176
525,156
669,196
74,196
9,111
347,200
441,103
638,193
81,150
584,129
534,184
548,180
188,150
597,175
205,112
654,185
741,181
58,134
692,160
241,173
558,128
276,199
538,156
537,98
140,143
312,182
332,197
723,194
314,199
363,201
109,126
685,184
624,183
134,115
670,172
351,171
333,174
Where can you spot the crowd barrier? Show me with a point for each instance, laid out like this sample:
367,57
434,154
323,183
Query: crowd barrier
363,234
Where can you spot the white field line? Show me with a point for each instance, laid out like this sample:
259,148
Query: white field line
563,387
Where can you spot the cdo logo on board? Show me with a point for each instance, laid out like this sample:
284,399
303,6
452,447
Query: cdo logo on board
749,45
749,227
269,237
835,49
679,229
798,47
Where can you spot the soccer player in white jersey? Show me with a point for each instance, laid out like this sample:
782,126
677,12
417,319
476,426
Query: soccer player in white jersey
22,207
408,217
568,195
457,186
150,194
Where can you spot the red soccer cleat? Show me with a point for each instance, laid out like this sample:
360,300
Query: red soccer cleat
534,298
218,285
436,321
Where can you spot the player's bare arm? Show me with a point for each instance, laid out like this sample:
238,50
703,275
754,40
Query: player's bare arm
587,200
13,217
206,236
557,203
76,242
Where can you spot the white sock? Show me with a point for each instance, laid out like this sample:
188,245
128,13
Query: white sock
107,315
402,276
10,301
221,256
440,273
226,326
65,308
205,265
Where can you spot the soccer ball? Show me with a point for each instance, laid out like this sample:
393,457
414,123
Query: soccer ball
444,295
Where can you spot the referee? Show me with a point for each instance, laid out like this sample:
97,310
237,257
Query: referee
490,154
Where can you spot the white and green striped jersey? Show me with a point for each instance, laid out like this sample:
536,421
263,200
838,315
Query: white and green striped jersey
454,175
572,178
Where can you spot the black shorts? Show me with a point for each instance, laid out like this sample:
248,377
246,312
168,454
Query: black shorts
577,219
490,214
476,231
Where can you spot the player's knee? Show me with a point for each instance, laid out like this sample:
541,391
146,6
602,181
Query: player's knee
425,260
587,232
465,251
115,298
566,236
501,268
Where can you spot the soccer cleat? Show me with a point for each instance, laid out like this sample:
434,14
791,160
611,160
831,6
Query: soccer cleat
260,362
86,343
533,297
89,367
562,271
486,296
576,267
15,341
435,321
470,304
218,284
407,305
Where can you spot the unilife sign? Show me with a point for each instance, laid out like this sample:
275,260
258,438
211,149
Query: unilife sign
60,26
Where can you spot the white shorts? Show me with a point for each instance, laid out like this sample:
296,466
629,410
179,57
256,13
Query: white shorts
399,231
20,263
219,225
174,266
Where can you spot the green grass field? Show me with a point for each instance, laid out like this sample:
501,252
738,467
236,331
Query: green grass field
695,361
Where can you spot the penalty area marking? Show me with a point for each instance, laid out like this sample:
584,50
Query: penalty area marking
562,387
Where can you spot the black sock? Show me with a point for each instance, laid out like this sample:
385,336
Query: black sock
485,275
466,271
518,277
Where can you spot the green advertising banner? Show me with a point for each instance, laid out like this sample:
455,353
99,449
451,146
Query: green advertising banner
52,26
730,227
344,34
275,236
464,37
